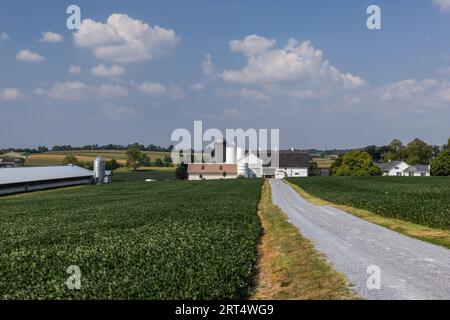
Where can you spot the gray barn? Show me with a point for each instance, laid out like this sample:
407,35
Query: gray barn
26,179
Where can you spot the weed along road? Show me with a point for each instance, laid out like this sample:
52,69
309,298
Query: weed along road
379,263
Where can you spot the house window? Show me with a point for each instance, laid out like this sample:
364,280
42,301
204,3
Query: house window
221,168
203,167
397,168
411,174
423,174
297,173
399,174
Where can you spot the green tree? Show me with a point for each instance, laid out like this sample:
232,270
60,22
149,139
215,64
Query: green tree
418,152
440,166
70,159
182,171
112,165
134,158
158,163
447,146
355,163
167,161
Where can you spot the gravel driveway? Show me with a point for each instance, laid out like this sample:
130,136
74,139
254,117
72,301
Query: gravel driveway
408,268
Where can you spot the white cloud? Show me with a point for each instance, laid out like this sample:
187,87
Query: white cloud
252,45
407,89
444,5
74,70
75,91
198,86
151,88
445,71
51,37
118,112
176,92
208,67
10,94
28,56
123,39
295,62
4,36
243,94
112,91
103,71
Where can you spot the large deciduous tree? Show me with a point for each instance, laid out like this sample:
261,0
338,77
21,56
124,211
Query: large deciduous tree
355,163
134,157
440,166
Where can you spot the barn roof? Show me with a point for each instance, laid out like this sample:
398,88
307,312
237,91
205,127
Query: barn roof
32,174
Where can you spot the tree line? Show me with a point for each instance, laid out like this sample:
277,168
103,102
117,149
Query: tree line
361,162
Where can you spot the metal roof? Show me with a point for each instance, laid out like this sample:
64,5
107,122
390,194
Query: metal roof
388,166
29,174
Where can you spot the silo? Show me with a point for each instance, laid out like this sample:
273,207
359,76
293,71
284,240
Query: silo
219,151
99,169
242,169
230,153
240,154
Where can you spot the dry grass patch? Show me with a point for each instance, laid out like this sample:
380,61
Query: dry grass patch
289,266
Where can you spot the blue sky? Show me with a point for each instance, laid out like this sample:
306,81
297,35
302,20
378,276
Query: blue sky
310,68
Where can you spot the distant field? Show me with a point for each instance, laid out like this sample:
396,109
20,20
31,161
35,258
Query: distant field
132,240
56,157
323,163
419,200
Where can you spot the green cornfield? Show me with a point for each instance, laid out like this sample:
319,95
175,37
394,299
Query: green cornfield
421,200
132,240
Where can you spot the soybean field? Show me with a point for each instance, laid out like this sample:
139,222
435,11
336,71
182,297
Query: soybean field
131,240
421,200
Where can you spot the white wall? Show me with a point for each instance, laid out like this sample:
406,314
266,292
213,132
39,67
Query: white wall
210,176
399,171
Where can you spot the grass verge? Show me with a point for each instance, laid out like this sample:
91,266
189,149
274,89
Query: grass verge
428,234
289,267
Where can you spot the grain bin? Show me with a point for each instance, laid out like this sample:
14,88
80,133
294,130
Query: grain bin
99,169
230,153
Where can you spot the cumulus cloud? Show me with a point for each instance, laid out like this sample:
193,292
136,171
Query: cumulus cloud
243,94
51,37
198,86
407,89
117,112
151,88
208,67
28,56
4,36
74,70
295,62
176,92
103,71
443,5
10,94
123,39
252,45
75,91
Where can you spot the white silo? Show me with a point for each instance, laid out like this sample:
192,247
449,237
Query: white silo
240,154
99,169
230,153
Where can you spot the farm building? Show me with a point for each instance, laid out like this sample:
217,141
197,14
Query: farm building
232,162
26,179
402,169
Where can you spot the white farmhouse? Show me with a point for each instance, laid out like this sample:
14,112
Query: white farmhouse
402,169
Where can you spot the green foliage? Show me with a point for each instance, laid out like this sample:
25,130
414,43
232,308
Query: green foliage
70,159
158,163
415,152
354,163
134,158
132,240
440,166
112,165
182,171
420,200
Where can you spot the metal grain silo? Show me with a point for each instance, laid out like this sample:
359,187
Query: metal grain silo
230,153
99,169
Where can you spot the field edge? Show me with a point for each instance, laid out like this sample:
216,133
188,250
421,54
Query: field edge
432,235
289,267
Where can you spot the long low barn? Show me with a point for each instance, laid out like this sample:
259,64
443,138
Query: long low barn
25,179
